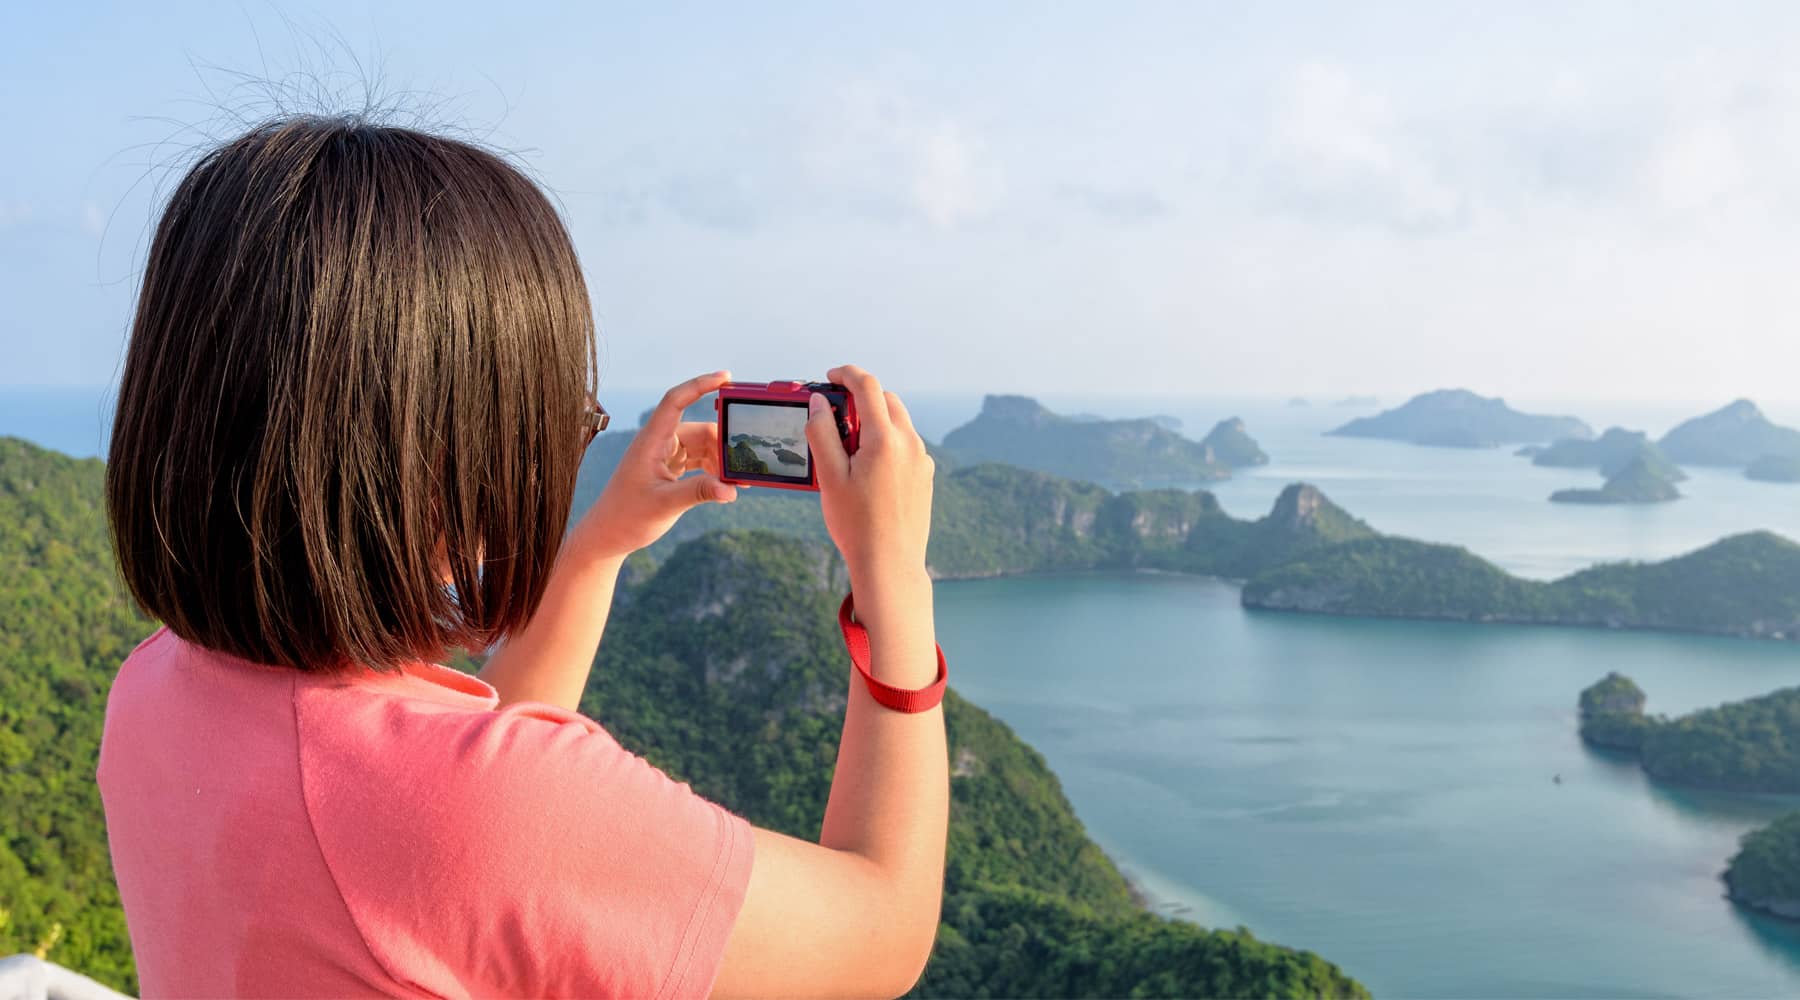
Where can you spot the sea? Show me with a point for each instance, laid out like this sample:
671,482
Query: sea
1408,799
777,454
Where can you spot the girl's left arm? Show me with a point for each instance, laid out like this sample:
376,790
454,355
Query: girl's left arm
549,659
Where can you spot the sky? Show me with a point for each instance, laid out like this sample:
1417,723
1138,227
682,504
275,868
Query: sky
1577,201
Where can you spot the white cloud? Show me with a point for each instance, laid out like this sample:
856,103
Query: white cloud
1333,126
881,150
950,183
1695,167
1338,148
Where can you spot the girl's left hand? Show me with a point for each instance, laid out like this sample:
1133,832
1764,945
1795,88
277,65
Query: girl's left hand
652,488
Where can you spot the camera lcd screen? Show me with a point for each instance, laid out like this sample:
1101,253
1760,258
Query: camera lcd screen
766,440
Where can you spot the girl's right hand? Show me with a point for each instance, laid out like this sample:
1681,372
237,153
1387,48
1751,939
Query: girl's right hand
877,502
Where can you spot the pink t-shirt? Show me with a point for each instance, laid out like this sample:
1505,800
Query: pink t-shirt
284,834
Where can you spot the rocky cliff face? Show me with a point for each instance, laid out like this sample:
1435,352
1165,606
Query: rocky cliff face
1302,518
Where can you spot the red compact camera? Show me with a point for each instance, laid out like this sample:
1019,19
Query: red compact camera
762,431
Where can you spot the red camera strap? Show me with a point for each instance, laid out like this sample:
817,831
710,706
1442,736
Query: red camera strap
899,699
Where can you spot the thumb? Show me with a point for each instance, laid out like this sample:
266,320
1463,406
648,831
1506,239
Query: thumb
830,462
691,491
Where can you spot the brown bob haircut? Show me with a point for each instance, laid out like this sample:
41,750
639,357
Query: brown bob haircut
358,350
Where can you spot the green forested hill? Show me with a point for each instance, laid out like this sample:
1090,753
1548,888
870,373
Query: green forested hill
726,669
1745,585
743,697
1742,746
65,625
1750,746
1765,872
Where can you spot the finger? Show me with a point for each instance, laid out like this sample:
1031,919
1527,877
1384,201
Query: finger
831,464
700,441
871,405
902,418
691,491
667,415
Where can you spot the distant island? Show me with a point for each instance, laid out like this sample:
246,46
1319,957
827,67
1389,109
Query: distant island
1362,401
1458,418
1299,401
1019,431
1233,445
1735,435
1611,452
1612,713
1750,746
1637,482
1744,585
1775,469
1307,555
1765,873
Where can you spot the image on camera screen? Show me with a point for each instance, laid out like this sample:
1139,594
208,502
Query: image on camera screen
766,439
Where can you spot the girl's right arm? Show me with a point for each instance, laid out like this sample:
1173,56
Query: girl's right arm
856,913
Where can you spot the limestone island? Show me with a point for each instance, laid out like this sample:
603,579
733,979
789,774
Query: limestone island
1306,555
1744,585
1458,418
1233,444
1750,746
1612,713
1611,452
1019,431
1775,469
1765,873
1736,435
1636,483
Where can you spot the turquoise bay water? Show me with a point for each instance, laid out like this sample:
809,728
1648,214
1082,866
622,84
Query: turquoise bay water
1383,792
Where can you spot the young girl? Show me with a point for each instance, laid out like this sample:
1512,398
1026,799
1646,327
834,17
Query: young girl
358,389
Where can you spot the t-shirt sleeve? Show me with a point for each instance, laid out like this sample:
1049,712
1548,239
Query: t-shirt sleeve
548,860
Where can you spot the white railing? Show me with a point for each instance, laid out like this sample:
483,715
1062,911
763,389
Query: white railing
28,977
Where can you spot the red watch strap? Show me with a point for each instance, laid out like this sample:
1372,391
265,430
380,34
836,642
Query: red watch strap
899,699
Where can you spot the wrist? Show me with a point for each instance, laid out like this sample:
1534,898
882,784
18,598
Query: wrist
892,595
590,545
